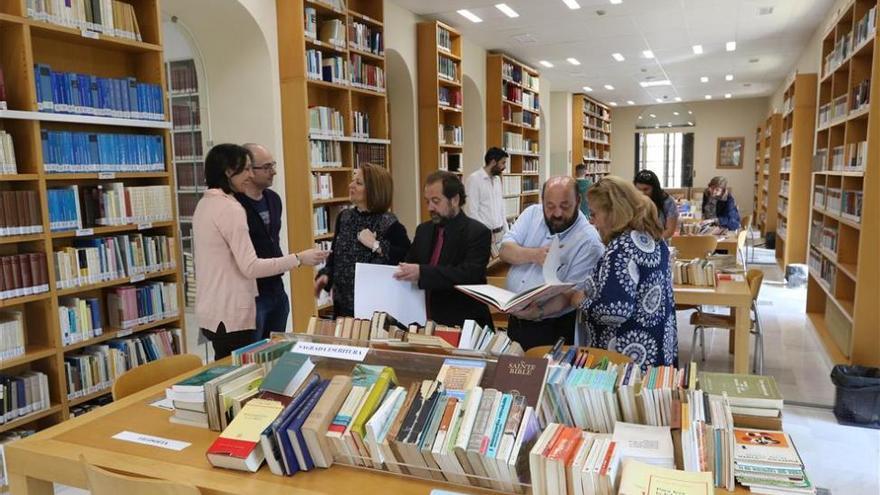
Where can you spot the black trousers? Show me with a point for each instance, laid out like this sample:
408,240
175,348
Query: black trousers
225,342
531,333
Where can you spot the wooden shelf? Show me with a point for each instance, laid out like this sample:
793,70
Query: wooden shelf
15,301
111,229
121,333
18,177
32,353
19,422
83,119
85,398
15,239
582,109
330,201
106,176
112,283
75,36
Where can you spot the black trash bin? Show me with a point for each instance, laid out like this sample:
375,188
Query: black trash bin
857,395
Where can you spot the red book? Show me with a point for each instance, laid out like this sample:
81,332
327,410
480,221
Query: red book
24,263
449,334
16,273
2,88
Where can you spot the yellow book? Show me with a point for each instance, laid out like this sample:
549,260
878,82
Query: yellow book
355,436
238,447
639,478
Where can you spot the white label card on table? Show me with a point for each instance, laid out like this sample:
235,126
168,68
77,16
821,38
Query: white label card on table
106,175
347,352
143,439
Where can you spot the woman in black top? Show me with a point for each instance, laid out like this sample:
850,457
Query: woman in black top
365,233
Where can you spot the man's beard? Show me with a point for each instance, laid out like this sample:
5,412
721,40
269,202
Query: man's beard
496,170
438,219
557,226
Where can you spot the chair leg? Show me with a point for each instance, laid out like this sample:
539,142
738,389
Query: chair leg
694,343
703,344
759,343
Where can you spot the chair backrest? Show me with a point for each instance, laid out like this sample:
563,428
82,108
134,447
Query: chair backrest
745,221
694,246
755,278
103,482
146,375
741,257
614,357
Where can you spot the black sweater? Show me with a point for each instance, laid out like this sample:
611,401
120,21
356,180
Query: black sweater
266,240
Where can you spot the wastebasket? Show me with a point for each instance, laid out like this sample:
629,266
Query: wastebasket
857,395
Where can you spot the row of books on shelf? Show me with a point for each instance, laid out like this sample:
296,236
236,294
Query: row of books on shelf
12,341
328,69
79,319
20,214
321,220
531,101
322,186
88,152
788,104
512,206
108,17
444,39
7,154
22,394
700,272
326,120
530,165
114,203
512,141
823,268
850,158
365,76
132,305
188,147
102,259
511,184
366,38
450,161
590,134
185,114
527,119
782,228
360,124
839,53
785,164
786,137
324,154
599,124
784,187
860,96
182,77
866,27
451,134
89,406
447,68
597,167
449,97
23,274
847,202
516,74
373,153
512,92
84,94
833,111
186,204
596,154
191,175
96,367
330,31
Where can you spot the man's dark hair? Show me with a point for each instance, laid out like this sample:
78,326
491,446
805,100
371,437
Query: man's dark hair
452,185
225,157
494,154
580,168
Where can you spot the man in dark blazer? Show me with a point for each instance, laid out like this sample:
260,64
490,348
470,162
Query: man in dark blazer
451,249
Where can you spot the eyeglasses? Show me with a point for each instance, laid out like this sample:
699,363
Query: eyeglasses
267,166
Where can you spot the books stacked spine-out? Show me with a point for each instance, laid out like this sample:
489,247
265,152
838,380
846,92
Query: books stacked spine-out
12,342
7,150
23,275
88,152
108,17
133,305
79,319
20,213
77,207
23,393
101,259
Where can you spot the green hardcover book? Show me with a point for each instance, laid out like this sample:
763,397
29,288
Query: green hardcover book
196,383
270,354
289,372
743,390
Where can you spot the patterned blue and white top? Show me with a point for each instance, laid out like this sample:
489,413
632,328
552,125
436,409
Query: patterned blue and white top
629,306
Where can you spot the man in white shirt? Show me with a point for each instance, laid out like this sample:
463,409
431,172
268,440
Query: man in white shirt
486,197
525,247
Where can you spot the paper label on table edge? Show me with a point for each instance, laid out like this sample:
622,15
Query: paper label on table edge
153,441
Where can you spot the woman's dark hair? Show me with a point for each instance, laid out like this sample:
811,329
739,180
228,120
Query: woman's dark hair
658,195
225,157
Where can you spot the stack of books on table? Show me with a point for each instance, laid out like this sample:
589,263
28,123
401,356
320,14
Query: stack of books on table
755,400
767,462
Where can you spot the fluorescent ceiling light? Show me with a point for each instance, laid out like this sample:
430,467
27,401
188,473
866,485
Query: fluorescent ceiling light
613,104
690,123
698,49
618,57
588,89
647,54
572,4
658,100
616,2
704,79
652,116
630,102
690,112
545,63
678,98
662,82
730,46
675,113
573,61
728,95
467,14
504,8
708,97
609,87
728,77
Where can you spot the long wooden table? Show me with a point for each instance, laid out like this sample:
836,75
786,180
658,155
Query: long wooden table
52,456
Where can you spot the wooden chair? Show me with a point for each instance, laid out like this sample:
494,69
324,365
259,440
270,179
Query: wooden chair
694,246
103,482
137,379
745,222
614,357
701,321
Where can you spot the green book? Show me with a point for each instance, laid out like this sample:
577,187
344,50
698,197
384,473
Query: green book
196,383
743,390
288,374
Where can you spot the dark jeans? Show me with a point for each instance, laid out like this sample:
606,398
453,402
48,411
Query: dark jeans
272,312
531,333
225,342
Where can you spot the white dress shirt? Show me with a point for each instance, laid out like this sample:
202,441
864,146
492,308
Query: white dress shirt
485,200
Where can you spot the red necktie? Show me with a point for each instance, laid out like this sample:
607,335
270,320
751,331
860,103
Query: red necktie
438,246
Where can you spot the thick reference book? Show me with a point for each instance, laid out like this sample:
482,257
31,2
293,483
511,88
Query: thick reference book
315,427
511,302
238,447
747,391
521,375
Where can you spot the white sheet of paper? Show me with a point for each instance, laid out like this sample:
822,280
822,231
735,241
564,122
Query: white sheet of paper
163,403
375,289
551,262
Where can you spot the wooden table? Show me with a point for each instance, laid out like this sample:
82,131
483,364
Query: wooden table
727,243
735,295
52,455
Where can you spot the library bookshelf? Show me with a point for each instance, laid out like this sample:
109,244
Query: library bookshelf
591,136
795,169
845,230
441,101
24,42
758,215
334,116
513,123
771,158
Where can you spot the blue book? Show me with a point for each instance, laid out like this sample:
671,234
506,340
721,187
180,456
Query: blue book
93,94
131,91
72,86
44,81
294,429
290,462
38,87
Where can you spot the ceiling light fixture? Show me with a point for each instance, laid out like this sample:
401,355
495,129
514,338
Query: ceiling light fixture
728,95
545,63
573,61
630,102
728,77
609,87
648,84
730,46
690,112
504,8
588,89
647,54
652,116
708,97
618,57
704,79
675,113
658,100
613,104
678,98
572,4
616,2
467,14
698,49
690,123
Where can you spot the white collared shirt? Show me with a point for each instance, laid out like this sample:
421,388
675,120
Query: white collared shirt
485,200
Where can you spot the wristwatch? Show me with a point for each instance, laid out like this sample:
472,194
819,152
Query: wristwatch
376,246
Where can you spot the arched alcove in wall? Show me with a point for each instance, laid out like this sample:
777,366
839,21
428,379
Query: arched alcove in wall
474,125
404,140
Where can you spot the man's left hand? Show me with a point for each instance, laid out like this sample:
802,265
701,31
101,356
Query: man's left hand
408,272
531,312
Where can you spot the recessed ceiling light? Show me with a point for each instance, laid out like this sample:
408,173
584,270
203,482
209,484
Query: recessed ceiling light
618,57
613,103
467,14
698,49
690,123
588,89
690,112
630,102
573,61
674,113
730,46
704,79
609,87
728,77
572,4
656,126
616,2
640,117
708,97
728,95
658,100
647,54
652,116
545,63
669,124
678,98
648,84
509,12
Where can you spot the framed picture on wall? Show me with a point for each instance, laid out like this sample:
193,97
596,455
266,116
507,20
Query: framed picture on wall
730,152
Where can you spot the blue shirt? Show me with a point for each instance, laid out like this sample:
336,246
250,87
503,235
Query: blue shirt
580,246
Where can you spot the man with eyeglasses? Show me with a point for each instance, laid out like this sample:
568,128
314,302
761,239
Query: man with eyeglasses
263,208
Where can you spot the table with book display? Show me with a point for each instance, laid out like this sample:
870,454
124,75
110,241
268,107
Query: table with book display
136,437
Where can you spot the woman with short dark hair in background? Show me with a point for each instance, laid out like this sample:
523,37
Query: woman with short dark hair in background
719,205
647,182
365,233
227,267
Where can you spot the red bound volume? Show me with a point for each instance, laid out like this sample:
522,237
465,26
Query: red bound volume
27,280
8,277
34,263
23,214
11,208
34,209
16,272
4,221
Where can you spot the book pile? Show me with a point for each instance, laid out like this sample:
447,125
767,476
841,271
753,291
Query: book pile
84,94
567,460
129,306
11,334
89,152
110,17
188,397
23,275
22,394
699,272
707,437
263,352
754,399
638,478
20,213
79,319
768,462
96,260
7,150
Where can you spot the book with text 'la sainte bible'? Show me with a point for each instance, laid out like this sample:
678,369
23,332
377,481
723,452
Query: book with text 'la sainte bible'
522,375
511,302
238,447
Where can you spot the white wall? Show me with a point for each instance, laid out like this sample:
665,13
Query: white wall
560,141
473,67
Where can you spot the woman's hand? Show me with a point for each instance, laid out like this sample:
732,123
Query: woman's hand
576,298
312,257
320,283
368,238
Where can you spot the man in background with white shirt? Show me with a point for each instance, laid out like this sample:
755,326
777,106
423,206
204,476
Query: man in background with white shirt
486,197
525,247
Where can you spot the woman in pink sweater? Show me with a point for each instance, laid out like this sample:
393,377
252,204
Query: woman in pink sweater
227,268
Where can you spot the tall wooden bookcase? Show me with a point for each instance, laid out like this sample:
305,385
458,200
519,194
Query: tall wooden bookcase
302,92
513,122
759,178
23,43
591,136
844,282
798,131
769,181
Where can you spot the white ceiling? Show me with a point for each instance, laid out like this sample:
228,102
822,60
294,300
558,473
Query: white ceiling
667,27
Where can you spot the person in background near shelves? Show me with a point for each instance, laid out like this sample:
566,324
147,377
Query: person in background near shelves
486,196
263,209
366,233
667,211
525,248
227,267
451,249
719,205
583,183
